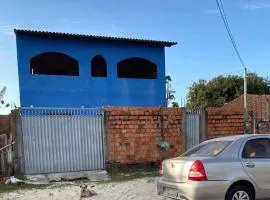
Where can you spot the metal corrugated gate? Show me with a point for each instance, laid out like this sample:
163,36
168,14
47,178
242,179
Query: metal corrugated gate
61,140
194,127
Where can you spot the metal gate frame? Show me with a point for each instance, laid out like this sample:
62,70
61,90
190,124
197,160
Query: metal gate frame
62,140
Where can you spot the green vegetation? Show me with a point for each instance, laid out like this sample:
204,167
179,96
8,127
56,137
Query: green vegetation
121,177
223,89
3,104
169,93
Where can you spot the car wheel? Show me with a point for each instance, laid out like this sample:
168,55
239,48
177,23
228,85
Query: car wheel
240,192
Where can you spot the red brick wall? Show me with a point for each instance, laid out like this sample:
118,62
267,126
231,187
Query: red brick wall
224,122
133,134
4,124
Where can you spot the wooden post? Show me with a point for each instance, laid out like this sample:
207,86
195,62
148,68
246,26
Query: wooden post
3,161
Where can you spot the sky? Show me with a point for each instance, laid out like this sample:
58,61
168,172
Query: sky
203,51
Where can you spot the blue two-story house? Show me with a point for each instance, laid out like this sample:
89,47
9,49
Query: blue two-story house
71,70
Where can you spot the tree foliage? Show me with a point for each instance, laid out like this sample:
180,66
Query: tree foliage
3,103
168,79
175,104
223,89
170,96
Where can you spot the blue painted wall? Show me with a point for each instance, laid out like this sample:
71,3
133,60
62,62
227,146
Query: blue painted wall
84,90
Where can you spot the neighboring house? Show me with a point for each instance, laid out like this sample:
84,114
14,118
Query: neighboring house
70,70
259,105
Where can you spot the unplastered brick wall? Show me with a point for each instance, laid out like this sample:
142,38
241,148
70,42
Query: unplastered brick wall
224,122
133,134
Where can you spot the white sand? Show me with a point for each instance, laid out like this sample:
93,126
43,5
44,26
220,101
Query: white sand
139,189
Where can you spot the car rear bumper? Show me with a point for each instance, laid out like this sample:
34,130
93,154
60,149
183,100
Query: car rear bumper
192,190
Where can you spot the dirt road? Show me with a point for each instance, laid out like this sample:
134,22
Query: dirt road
139,189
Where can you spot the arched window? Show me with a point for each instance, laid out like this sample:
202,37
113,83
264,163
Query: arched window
54,63
139,68
98,67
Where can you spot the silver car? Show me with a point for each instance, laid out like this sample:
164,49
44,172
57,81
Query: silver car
228,168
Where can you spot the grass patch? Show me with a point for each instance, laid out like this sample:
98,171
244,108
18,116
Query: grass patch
132,174
12,187
120,173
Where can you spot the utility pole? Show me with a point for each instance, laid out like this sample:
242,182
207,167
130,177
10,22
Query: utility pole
245,101
225,21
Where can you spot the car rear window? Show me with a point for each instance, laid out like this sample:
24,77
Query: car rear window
209,149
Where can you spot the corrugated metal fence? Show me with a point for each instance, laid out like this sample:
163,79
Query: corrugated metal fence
61,140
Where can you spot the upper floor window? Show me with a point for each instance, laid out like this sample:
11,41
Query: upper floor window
139,68
98,67
54,63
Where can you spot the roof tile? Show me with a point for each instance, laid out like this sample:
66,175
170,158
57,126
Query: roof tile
94,37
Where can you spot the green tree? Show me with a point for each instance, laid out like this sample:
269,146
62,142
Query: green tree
197,94
257,85
223,89
3,104
168,79
169,93
175,104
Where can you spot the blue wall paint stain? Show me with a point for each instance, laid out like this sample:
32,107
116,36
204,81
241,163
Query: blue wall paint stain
84,90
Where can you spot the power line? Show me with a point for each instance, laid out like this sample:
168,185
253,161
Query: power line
225,21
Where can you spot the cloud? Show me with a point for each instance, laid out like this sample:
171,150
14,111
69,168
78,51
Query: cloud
255,6
211,11
10,33
7,29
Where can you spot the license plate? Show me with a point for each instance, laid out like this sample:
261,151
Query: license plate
172,193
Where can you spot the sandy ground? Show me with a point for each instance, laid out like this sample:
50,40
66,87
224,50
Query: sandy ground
139,189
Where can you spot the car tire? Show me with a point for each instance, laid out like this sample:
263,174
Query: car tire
240,190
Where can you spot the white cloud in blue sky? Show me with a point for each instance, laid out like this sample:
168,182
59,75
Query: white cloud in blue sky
255,6
211,11
7,29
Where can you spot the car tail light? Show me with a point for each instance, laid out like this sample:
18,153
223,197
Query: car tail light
197,172
161,168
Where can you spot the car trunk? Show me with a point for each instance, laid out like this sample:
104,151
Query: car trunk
177,169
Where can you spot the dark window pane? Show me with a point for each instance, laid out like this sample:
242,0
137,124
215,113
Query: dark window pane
53,63
98,67
139,68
